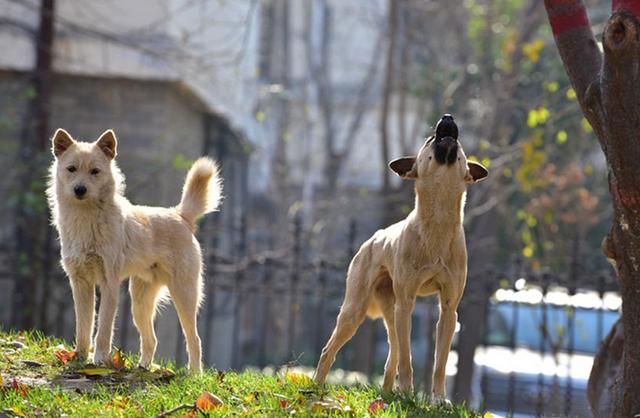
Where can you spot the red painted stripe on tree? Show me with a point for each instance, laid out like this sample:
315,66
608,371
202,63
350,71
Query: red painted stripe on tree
632,6
574,17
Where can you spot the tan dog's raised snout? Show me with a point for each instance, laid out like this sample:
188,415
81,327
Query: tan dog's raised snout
423,254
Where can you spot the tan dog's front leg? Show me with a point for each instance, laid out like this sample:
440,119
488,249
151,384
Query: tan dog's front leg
403,310
445,330
84,305
109,292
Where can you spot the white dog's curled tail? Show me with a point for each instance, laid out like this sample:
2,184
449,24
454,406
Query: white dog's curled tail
202,190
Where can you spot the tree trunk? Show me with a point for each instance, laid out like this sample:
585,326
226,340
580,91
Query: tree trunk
388,91
32,239
608,90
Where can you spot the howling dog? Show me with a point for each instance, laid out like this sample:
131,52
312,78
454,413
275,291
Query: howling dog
418,256
105,239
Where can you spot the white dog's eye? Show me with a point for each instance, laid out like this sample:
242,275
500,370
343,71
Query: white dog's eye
71,169
94,172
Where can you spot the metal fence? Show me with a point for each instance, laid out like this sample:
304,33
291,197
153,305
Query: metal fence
277,306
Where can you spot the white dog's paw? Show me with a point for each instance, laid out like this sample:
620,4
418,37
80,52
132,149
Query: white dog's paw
440,400
101,357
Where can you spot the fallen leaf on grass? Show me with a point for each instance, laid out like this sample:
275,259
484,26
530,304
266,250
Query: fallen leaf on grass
298,379
376,406
208,402
19,388
117,362
95,371
65,356
283,403
1,382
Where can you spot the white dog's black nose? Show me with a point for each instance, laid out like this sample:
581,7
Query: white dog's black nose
80,191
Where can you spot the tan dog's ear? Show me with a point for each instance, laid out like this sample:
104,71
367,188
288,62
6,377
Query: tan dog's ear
108,143
476,172
405,167
60,142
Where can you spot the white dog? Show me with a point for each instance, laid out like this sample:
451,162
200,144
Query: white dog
105,239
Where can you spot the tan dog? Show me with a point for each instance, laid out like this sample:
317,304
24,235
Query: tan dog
105,239
421,255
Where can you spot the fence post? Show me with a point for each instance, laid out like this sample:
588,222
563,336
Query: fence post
241,250
264,317
543,343
293,282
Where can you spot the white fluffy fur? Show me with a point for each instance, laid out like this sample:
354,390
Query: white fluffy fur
105,239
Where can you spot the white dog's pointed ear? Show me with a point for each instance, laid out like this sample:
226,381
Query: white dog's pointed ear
405,167
60,142
108,143
476,172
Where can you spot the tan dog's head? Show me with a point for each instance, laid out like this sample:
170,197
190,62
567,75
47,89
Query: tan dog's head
83,172
441,159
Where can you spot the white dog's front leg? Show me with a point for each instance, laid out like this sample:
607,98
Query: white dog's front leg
109,292
84,305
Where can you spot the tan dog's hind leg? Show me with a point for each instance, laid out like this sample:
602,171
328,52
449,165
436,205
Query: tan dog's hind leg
109,293
445,330
351,316
84,304
386,301
144,296
186,301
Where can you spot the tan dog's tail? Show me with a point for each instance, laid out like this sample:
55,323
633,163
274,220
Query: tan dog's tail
202,190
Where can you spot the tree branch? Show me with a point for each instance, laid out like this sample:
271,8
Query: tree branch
579,52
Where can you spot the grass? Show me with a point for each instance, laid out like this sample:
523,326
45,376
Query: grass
35,382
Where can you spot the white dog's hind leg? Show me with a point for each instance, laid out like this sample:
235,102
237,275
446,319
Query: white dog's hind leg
109,293
144,297
84,304
186,298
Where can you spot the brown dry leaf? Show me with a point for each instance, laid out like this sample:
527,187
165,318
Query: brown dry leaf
65,356
208,402
117,361
19,388
376,406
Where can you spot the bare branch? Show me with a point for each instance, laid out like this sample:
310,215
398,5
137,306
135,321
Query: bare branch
579,52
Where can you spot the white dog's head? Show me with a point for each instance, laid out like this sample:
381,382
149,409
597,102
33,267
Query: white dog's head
84,172
441,159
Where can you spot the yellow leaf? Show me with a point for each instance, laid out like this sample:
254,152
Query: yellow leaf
507,172
586,126
561,137
571,94
298,379
260,116
486,161
552,86
1,381
527,251
95,371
